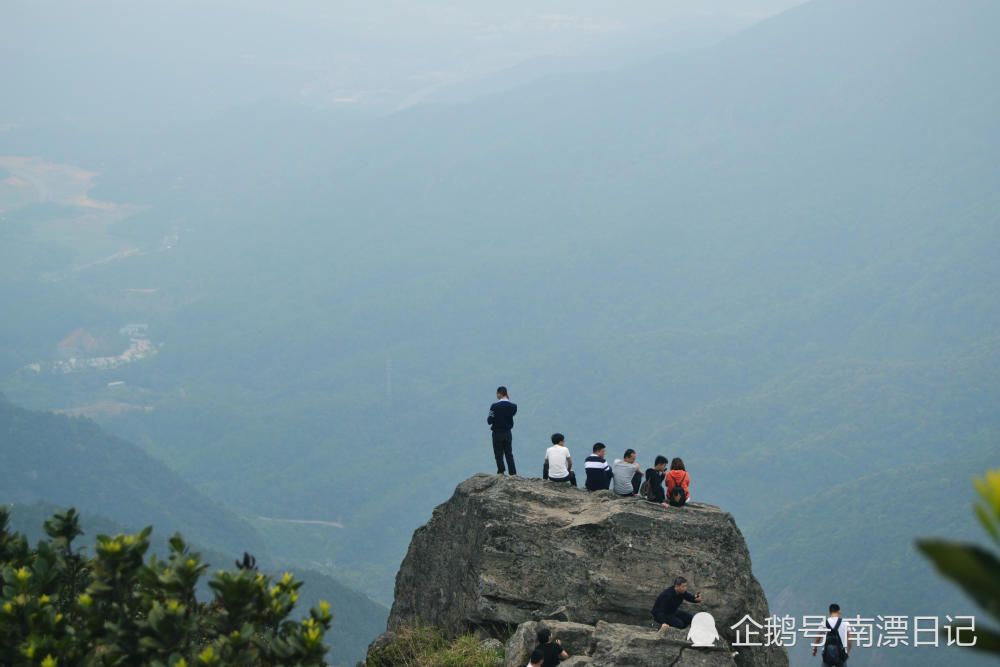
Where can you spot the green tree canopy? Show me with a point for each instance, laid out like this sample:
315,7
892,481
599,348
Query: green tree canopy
58,607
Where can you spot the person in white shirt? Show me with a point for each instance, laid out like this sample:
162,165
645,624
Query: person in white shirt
837,641
536,658
558,466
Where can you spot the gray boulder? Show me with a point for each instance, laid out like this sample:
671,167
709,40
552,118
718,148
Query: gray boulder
503,551
616,644
577,639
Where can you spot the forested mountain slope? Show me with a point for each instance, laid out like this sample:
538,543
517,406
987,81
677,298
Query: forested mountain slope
355,617
750,256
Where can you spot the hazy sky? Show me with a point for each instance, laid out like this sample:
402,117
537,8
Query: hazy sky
754,255
379,55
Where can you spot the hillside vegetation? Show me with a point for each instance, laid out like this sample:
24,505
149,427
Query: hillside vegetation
56,458
56,605
774,257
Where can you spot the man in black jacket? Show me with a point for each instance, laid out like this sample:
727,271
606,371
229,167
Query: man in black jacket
666,610
501,421
655,477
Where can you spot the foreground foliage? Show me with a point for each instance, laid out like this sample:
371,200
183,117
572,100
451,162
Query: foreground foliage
429,647
58,607
976,569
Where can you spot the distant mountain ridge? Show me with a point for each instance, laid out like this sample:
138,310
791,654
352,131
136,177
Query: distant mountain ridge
751,256
51,460
72,462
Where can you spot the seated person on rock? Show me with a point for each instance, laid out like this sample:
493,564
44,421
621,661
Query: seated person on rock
654,477
627,475
558,466
667,611
536,658
552,650
597,469
677,479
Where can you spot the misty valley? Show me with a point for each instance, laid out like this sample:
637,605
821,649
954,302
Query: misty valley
274,322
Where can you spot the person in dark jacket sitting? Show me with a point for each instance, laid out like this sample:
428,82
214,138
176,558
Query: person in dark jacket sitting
598,470
655,477
667,610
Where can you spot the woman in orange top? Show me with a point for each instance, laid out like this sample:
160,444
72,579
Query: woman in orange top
677,476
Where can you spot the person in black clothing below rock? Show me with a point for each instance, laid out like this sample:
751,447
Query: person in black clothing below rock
655,477
667,610
598,470
501,421
552,649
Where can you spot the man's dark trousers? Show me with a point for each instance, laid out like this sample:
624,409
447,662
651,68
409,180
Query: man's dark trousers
636,482
679,619
502,448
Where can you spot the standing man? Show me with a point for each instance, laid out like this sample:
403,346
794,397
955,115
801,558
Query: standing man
597,469
837,637
627,475
501,421
667,610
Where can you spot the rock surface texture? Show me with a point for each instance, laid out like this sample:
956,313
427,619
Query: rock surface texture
616,644
507,552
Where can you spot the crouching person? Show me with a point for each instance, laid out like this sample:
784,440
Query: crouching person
552,650
667,611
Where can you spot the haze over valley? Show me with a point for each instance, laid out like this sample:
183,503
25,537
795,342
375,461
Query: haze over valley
284,256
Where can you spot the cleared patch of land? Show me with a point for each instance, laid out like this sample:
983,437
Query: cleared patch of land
334,524
103,409
77,220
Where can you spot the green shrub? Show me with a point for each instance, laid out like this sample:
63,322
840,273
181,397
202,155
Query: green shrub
429,647
59,608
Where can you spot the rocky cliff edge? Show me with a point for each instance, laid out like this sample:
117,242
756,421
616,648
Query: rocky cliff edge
504,554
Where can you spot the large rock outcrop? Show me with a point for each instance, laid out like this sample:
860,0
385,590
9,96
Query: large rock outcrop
507,551
617,644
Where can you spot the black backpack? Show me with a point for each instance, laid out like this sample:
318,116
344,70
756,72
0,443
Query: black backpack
833,648
677,496
650,489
